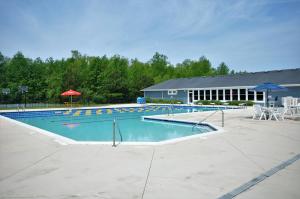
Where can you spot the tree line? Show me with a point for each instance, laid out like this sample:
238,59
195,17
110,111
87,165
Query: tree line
99,79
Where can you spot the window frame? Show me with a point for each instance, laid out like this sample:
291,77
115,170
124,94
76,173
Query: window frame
227,95
258,95
207,95
242,94
220,94
213,94
172,92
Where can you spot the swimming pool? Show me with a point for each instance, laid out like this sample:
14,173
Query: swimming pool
97,124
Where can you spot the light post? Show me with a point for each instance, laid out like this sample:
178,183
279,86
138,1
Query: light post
23,90
5,92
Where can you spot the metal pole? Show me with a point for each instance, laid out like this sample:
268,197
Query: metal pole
22,97
6,101
267,98
114,133
222,118
25,100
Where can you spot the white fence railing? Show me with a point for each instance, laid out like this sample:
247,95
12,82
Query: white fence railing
31,105
290,101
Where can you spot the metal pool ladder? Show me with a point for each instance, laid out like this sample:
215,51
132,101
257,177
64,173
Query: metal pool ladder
170,110
116,127
200,122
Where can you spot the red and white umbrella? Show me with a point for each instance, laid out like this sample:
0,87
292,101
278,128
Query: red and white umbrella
71,93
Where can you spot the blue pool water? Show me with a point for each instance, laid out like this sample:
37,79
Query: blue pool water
96,124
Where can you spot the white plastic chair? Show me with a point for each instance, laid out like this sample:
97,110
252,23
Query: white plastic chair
287,103
277,114
258,112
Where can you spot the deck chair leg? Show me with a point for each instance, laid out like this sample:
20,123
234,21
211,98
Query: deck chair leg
261,116
271,116
276,117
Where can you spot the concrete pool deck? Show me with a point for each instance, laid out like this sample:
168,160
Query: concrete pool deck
34,166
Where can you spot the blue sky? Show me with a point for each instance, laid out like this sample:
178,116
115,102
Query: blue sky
252,35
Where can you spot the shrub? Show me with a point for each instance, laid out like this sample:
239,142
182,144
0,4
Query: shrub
148,100
217,102
163,101
99,99
249,103
204,102
207,102
114,97
236,103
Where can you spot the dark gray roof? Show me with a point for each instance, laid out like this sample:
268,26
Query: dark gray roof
288,76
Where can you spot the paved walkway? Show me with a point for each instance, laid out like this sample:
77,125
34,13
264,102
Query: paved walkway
35,166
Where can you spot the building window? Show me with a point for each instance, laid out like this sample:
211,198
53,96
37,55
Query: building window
220,94
213,94
196,95
242,94
172,92
207,94
227,94
201,93
259,96
235,94
250,95
190,96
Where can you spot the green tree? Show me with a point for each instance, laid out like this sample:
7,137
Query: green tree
138,78
17,74
93,86
2,71
159,67
99,79
54,79
222,69
114,79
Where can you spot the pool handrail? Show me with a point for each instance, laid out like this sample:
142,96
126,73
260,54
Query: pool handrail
200,122
115,125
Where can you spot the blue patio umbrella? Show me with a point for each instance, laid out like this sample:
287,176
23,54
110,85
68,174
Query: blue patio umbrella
269,87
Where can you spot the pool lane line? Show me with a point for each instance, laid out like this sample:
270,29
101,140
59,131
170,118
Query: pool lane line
99,112
101,119
104,120
67,112
88,112
77,113
260,178
93,117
